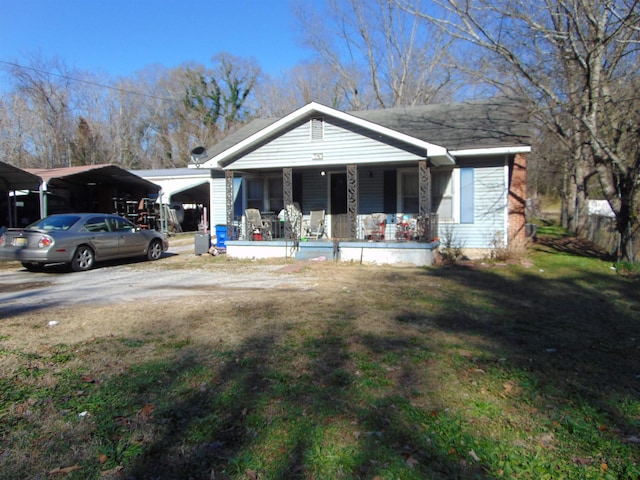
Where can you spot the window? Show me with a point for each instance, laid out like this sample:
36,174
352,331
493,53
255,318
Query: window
119,224
255,194
441,193
276,196
410,196
96,224
265,194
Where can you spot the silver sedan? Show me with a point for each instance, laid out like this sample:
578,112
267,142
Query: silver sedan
79,240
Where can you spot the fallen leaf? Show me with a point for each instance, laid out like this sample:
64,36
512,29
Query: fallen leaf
412,462
252,474
65,469
586,461
147,410
102,458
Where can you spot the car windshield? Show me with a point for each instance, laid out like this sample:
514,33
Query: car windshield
56,222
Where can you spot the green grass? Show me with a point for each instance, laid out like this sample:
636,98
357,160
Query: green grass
482,372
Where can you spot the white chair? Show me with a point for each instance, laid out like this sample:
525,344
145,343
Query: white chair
257,227
315,226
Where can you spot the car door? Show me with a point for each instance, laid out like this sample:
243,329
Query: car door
103,240
130,241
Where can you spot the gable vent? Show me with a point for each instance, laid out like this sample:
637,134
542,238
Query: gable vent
317,129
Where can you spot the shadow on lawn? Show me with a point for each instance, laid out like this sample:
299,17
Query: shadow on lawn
578,334
255,421
269,411
282,407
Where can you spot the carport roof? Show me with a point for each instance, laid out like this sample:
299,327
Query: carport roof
14,178
99,174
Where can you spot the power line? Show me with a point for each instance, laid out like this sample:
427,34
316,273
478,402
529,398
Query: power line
66,77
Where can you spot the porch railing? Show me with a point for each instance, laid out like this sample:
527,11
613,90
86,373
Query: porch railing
413,228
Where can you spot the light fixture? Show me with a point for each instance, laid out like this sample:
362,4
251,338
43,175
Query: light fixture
323,173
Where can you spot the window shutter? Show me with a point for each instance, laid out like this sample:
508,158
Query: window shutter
390,191
466,195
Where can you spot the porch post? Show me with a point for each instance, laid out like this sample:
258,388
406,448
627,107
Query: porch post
228,179
424,199
287,193
352,199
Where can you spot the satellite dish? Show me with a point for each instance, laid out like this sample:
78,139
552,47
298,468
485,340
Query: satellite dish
197,154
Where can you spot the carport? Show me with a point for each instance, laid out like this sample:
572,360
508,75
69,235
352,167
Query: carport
187,191
94,188
13,179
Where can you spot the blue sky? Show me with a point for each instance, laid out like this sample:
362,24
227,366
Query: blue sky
120,37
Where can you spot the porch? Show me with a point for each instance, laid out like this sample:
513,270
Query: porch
381,239
357,251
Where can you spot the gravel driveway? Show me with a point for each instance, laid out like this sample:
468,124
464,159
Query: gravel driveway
22,291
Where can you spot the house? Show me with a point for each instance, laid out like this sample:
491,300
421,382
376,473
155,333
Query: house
456,171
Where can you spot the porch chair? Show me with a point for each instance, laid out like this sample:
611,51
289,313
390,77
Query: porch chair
374,226
257,227
315,226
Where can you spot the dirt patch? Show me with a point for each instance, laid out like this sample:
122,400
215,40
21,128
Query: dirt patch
19,287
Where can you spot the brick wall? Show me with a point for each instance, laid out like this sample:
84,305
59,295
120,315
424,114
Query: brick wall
517,200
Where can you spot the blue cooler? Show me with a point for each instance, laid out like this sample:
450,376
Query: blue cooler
221,236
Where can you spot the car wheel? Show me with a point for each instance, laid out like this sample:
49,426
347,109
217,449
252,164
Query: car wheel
154,252
33,266
82,259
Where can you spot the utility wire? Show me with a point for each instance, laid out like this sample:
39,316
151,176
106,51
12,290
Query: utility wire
66,77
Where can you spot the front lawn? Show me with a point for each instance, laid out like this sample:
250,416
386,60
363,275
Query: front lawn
518,371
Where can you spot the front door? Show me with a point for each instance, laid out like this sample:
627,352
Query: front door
338,206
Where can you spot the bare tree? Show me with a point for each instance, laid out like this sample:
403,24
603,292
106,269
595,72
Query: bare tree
310,82
16,129
45,88
575,60
56,117
383,56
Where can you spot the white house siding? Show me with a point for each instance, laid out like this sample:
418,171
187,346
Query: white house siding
342,144
218,202
490,208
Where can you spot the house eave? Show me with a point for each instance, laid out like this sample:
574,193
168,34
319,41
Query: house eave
484,152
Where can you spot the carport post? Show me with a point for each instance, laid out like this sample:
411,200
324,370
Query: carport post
43,199
163,229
